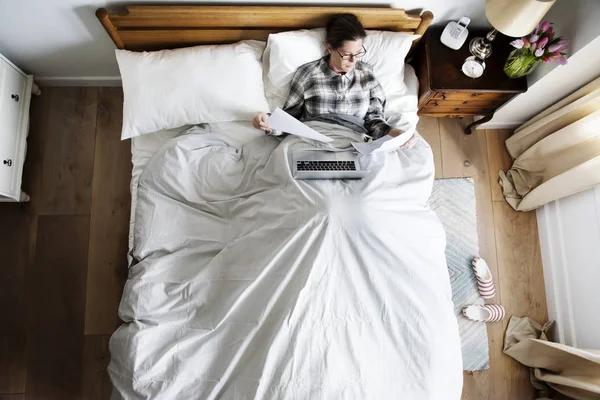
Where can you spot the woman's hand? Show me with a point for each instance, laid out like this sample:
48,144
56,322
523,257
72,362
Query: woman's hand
260,121
410,143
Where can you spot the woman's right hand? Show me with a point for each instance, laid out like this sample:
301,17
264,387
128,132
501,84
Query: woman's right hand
260,121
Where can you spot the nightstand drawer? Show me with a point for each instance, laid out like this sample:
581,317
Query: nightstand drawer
465,103
432,110
473,96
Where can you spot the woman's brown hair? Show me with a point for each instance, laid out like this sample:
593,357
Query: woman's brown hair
344,27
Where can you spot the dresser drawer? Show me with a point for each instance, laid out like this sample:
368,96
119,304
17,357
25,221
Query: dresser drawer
439,110
502,97
12,97
465,103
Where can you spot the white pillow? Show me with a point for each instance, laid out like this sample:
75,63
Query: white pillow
386,53
287,51
170,88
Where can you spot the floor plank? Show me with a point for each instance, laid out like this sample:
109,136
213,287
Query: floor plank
521,282
33,170
109,225
96,383
499,158
13,362
429,128
462,155
519,257
34,159
69,117
55,307
14,248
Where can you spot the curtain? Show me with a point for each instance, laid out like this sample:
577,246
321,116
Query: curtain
556,369
557,153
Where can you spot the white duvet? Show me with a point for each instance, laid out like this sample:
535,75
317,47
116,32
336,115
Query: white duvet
248,284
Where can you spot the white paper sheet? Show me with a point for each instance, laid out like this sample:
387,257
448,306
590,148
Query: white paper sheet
284,122
386,143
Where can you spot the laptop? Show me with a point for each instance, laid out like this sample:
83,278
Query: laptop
320,164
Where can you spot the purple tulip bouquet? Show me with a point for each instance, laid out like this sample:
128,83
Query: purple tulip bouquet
539,46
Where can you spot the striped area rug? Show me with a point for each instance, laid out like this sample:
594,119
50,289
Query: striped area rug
454,202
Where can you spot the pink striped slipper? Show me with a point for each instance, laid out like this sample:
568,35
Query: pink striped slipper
485,281
484,313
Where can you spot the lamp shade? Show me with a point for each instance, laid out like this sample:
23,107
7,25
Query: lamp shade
516,17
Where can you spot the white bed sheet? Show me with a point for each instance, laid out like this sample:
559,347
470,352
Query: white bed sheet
250,284
144,147
418,355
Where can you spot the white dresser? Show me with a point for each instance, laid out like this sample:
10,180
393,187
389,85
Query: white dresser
15,96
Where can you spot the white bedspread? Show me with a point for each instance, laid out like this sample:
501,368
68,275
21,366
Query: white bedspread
249,284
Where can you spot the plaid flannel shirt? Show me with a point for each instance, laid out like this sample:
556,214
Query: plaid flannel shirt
317,90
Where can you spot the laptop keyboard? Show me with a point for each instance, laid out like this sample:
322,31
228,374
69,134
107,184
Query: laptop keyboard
325,166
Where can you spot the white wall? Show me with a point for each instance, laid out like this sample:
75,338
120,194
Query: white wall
569,231
63,38
578,21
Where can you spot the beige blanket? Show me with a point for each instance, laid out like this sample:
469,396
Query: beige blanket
567,370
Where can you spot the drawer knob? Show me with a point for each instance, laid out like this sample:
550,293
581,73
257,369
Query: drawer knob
474,94
8,162
443,97
435,104
15,97
457,109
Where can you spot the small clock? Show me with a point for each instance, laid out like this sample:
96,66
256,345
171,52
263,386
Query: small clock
473,67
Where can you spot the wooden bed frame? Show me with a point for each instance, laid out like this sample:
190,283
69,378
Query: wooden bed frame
165,27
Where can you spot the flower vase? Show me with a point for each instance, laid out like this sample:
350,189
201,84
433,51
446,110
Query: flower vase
520,62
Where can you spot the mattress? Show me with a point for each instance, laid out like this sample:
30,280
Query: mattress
144,147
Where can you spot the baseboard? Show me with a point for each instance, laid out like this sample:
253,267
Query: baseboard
78,80
556,275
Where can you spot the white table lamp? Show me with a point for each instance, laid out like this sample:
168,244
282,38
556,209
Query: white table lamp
510,17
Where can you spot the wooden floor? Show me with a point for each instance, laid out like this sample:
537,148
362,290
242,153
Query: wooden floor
63,255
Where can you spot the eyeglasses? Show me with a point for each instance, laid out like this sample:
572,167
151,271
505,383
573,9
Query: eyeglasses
347,56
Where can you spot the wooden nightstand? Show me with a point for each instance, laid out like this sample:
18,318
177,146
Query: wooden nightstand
445,91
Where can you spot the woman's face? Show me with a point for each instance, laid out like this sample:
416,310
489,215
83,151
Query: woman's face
348,47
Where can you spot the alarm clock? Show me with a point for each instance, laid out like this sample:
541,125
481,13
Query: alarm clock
473,67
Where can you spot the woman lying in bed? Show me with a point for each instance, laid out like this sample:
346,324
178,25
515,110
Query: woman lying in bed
338,87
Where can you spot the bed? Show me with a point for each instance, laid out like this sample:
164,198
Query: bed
245,283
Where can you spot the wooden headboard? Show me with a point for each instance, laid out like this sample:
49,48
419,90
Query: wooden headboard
166,27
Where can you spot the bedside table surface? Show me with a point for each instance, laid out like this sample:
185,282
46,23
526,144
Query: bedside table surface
445,65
